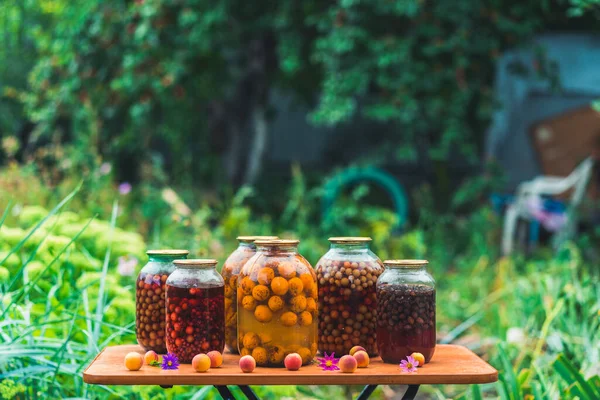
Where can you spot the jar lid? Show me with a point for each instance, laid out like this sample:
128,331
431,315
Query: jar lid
405,263
252,239
350,239
277,242
167,252
196,263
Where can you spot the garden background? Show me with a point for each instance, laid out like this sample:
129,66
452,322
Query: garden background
131,125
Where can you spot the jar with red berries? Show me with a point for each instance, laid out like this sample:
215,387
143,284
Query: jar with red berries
277,304
230,271
195,309
347,276
150,298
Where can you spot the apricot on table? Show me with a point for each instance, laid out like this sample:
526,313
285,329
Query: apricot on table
134,361
293,361
348,364
247,364
201,362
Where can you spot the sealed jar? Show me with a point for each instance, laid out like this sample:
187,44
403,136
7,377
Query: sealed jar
405,311
347,277
150,298
277,304
195,309
230,271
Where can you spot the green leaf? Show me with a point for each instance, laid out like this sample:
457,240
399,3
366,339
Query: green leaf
573,377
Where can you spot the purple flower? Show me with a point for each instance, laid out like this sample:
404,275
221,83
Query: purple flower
329,363
409,365
125,188
170,361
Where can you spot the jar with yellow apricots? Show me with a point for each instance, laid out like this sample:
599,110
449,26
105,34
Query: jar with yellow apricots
230,271
277,304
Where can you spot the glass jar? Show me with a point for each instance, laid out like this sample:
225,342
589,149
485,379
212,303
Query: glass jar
150,298
277,304
347,277
229,272
405,311
195,309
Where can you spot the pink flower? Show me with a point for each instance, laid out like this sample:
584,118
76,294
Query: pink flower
409,365
329,363
125,188
127,265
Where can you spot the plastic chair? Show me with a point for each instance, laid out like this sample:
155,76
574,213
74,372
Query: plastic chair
534,189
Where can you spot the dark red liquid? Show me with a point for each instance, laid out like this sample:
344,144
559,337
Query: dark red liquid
195,321
406,322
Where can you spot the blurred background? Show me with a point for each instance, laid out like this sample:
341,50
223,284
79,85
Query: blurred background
460,131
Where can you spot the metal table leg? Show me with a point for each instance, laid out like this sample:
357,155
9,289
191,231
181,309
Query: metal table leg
411,392
224,392
248,392
366,392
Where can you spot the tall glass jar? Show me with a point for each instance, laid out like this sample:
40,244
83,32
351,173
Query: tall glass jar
277,304
347,276
230,271
150,298
195,309
405,311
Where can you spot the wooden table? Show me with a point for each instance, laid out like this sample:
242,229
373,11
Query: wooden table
450,365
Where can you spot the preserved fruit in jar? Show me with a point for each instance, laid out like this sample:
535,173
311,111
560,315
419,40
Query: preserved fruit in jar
150,298
347,278
277,304
230,271
195,309
405,311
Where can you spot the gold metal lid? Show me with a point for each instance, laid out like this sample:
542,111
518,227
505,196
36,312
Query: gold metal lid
252,239
350,239
167,252
405,263
277,242
196,263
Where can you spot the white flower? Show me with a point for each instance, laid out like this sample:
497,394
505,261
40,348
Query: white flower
515,335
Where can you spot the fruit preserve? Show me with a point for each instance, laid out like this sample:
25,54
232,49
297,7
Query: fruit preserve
195,309
150,298
347,277
230,271
277,304
405,311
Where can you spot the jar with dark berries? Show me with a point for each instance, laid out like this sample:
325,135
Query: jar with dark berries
150,298
195,309
405,311
347,277
277,304
230,271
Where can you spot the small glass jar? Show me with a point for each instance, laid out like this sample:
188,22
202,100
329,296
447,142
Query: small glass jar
195,309
347,277
277,304
230,271
405,311
150,298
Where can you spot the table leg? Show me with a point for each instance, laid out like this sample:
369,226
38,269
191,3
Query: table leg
367,392
411,392
166,386
248,392
224,392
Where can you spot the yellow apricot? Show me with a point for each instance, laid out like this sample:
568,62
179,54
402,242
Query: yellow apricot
307,280
276,354
286,269
260,292
311,305
228,291
305,318
306,355
249,303
260,355
312,291
275,303
263,313
298,304
251,340
288,318
247,285
265,276
233,281
265,338
279,286
244,352
295,286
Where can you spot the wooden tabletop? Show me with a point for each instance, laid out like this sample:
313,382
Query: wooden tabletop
450,365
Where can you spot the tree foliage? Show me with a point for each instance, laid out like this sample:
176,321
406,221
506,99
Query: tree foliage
191,79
